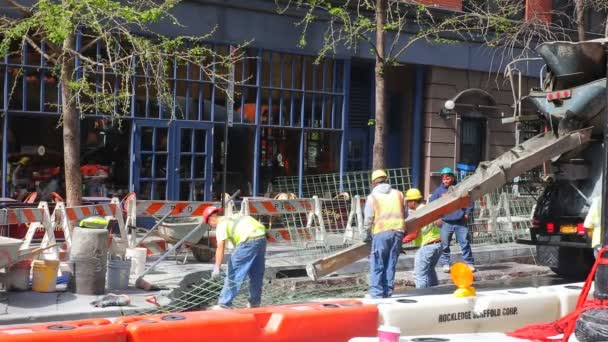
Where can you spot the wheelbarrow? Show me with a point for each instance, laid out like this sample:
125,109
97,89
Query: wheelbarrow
10,253
175,229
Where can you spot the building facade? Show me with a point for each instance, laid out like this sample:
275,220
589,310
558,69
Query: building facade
291,117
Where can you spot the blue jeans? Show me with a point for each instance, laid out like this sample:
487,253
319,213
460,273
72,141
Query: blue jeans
425,261
247,259
386,247
462,236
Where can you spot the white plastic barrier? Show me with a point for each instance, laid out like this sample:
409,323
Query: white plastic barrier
485,337
567,295
492,311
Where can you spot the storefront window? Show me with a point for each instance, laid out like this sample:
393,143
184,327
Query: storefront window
35,157
104,172
321,152
279,155
240,160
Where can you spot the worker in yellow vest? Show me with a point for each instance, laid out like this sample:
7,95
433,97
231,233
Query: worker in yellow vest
593,222
428,241
248,236
385,223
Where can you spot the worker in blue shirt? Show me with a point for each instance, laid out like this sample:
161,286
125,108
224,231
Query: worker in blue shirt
453,223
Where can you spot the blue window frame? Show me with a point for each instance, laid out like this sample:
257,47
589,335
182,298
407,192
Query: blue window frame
171,161
273,90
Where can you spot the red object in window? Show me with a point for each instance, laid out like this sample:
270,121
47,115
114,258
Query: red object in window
550,227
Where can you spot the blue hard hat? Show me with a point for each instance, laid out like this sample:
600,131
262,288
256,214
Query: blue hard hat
447,171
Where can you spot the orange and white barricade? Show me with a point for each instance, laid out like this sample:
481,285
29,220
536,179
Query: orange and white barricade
161,210
313,229
37,218
354,226
66,216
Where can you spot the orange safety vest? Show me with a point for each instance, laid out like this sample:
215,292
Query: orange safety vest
388,211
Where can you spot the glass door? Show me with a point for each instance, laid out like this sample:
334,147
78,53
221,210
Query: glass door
150,170
192,160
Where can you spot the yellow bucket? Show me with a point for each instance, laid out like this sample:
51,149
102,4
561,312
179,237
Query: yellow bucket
44,275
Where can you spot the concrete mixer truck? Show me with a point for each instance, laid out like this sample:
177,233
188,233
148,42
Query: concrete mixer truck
572,97
569,103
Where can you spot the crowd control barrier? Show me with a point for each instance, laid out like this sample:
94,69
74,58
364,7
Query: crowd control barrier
67,216
225,326
92,330
483,337
36,219
335,321
302,219
567,294
332,321
491,311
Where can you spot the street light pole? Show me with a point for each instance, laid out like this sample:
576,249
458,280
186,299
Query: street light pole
601,275
590,325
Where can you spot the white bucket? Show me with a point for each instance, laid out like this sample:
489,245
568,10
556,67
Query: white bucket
138,260
19,276
118,274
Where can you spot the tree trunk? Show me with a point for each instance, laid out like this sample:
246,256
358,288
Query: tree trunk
580,19
71,127
379,133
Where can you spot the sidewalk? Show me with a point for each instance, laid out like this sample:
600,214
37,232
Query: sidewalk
33,307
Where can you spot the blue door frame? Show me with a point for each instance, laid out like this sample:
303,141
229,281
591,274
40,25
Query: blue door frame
168,157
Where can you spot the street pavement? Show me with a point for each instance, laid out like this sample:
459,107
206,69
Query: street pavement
33,307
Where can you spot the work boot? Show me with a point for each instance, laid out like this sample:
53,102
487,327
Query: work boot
250,306
446,268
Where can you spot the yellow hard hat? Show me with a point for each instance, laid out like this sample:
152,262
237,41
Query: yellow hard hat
413,194
378,174
24,160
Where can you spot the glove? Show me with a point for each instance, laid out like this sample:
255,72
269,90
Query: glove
409,237
216,273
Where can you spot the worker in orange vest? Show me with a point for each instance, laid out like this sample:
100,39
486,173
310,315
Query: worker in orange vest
385,223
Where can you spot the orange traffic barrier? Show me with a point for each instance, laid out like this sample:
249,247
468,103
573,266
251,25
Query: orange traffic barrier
335,321
90,330
331,321
225,326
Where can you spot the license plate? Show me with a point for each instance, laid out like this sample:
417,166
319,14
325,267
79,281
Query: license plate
567,229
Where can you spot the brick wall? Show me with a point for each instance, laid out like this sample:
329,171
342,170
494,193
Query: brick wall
441,141
539,10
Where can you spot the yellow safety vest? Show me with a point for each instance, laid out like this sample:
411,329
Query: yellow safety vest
593,221
95,222
427,234
241,229
388,211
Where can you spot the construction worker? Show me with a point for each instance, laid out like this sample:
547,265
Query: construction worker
385,223
428,239
593,221
248,236
453,223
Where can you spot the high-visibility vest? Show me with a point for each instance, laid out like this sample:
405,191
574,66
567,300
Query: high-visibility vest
242,228
388,211
95,222
428,233
593,221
